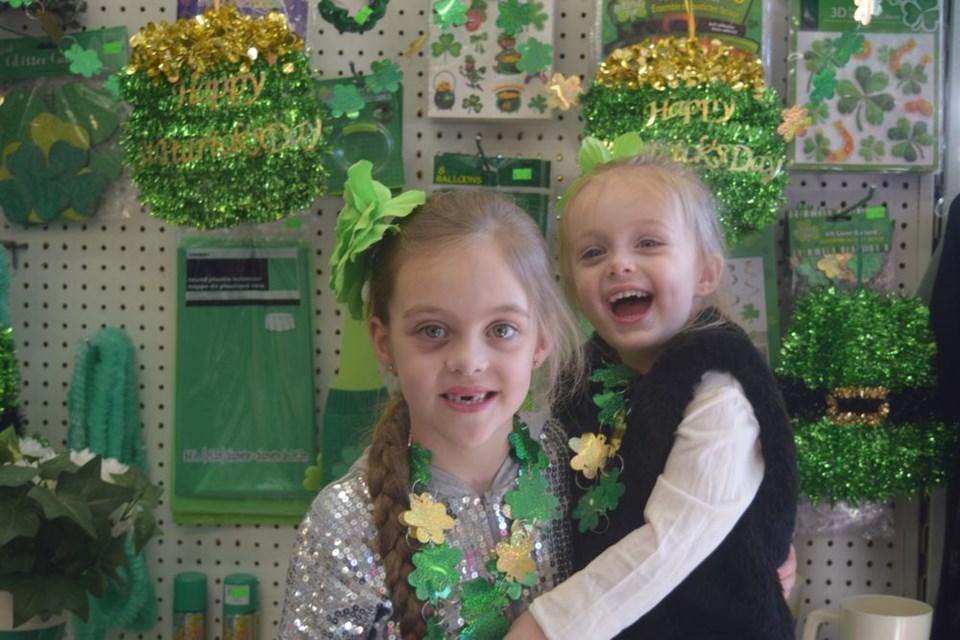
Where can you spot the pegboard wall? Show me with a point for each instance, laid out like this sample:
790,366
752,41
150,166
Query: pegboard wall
118,269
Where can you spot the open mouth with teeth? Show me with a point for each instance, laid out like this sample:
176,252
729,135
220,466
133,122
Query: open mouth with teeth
630,304
476,398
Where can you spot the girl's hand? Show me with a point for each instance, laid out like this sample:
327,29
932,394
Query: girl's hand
526,628
787,573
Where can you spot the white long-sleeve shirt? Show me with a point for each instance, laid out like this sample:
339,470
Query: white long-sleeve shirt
712,474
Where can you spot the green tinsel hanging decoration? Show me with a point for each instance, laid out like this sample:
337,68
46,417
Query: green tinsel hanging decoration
708,105
856,370
226,126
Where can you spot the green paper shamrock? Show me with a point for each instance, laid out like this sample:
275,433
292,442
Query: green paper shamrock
385,76
48,187
85,62
750,312
531,499
481,598
871,149
436,572
535,57
448,13
864,97
538,102
911,78
515,16
909,140
818,146
602,497
367,215
921,15
419,467
16,4
824,86
446,43
472,102
345,101
824,58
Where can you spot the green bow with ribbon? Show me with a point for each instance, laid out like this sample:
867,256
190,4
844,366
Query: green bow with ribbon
368,214
594,152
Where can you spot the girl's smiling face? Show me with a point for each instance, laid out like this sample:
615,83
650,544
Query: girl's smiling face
462,339
639,276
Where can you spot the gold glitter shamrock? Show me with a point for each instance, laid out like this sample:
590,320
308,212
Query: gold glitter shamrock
426,519
513,556
795,122
563,92
592,452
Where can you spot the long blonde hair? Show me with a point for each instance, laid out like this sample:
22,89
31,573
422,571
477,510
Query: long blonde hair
689,194
452,219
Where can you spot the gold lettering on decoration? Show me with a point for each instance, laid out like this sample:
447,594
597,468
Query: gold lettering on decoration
271,139
707,110
732,157
236,91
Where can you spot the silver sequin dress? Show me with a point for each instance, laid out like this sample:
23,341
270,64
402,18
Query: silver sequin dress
335,582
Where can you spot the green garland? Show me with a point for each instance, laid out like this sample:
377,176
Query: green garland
227,126
747,200
874,341
865,337
436,577
364,20
708,104
863,463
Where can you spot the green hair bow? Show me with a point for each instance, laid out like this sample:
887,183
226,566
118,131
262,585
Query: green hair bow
595,152
368,214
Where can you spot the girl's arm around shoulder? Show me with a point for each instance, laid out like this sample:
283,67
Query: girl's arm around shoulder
711,476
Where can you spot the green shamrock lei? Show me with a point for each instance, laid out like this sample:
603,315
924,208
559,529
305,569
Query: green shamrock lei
594,451
436,577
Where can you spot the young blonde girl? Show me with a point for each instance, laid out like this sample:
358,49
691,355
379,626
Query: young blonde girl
464,311
687,478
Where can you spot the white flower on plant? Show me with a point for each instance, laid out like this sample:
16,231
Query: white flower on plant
34,448
110,467
81,458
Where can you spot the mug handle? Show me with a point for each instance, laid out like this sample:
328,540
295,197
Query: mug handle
817,618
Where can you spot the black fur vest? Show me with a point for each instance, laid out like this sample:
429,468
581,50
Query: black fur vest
735,592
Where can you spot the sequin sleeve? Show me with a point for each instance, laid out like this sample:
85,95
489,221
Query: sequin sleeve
334,583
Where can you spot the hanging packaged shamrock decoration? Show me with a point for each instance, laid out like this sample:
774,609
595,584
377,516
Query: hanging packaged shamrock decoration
707,103
226,126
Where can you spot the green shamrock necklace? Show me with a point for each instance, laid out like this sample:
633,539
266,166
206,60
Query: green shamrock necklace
436,577
594,451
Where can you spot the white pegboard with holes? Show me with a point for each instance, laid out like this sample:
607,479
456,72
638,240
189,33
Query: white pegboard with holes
119,269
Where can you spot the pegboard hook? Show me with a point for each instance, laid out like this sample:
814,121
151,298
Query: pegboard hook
844,214
483,156
12,247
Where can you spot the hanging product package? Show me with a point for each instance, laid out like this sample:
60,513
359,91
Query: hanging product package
58,125
524,180
245,418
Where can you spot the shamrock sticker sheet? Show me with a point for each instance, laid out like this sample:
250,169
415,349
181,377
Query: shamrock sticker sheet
869,98
489,59
751,282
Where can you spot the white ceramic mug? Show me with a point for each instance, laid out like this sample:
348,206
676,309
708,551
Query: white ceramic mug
874,617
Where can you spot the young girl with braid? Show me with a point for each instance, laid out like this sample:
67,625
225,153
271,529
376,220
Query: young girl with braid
456,515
